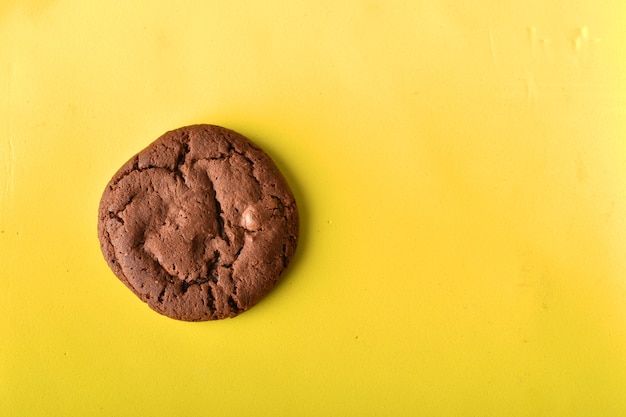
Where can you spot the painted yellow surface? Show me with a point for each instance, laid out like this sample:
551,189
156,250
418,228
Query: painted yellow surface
461,174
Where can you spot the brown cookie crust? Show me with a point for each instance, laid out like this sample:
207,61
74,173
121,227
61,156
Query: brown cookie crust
200,225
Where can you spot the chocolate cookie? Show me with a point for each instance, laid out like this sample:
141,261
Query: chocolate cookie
200,224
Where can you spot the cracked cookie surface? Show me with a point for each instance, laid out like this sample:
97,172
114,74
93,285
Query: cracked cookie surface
200,225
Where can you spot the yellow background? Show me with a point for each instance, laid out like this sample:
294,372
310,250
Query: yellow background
460,169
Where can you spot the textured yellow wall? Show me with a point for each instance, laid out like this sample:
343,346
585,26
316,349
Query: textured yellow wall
461,175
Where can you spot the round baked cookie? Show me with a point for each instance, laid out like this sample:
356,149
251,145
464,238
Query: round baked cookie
200,225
